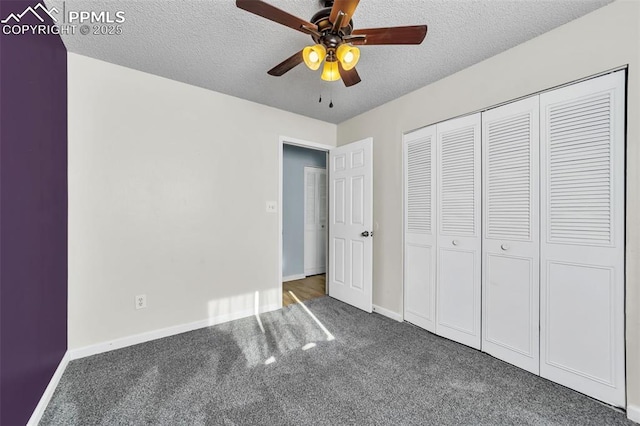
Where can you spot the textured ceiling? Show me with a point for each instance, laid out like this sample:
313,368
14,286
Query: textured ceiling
213,44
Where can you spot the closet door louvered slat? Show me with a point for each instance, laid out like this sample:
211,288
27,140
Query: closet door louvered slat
510,286
420,236
582,247
458,238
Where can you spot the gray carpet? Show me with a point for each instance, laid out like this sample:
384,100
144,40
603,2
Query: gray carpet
375,371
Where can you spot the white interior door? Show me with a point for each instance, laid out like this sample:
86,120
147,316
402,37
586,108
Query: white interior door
315,220
351,224
582,245
420,228
459,240
510,246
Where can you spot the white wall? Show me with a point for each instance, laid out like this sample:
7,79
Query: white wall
167,190
602,40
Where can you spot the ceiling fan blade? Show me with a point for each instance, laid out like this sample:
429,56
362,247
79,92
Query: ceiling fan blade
414,34
350,77
348,7
286,65
272,13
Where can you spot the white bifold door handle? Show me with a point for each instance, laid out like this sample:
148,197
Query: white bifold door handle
504,247
454,242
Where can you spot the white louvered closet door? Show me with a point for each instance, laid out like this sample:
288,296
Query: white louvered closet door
419,228
459,239
510,246
582,230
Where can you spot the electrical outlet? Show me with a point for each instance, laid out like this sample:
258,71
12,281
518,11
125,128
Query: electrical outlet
141,301
272,207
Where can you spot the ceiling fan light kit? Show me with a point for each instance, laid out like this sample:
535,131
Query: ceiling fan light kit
313,56
332,31
330,72
348,56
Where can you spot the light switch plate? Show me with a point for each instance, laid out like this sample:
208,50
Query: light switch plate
272,207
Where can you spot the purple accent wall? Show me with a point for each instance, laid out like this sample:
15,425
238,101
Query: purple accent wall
33,216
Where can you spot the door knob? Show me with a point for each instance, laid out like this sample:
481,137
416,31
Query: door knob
365,234
454,242
504,247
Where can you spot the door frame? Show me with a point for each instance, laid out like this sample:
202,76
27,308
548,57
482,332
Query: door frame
285,140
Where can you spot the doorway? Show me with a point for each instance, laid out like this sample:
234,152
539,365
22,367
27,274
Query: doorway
304,223
349,253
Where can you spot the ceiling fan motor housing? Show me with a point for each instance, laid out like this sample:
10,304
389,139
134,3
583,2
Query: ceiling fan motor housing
329,38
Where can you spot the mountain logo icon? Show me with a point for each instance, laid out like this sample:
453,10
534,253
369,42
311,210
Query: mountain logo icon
43,10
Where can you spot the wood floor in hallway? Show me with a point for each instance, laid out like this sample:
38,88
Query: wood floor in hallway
304,289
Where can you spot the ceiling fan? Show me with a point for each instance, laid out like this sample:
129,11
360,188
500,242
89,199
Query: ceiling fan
335,39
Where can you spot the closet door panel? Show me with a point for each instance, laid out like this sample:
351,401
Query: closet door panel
459,238
510,290
419,228
457,294
582,247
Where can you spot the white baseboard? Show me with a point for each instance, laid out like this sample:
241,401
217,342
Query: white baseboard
387,313
633,413
294,277
48,392
135,339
